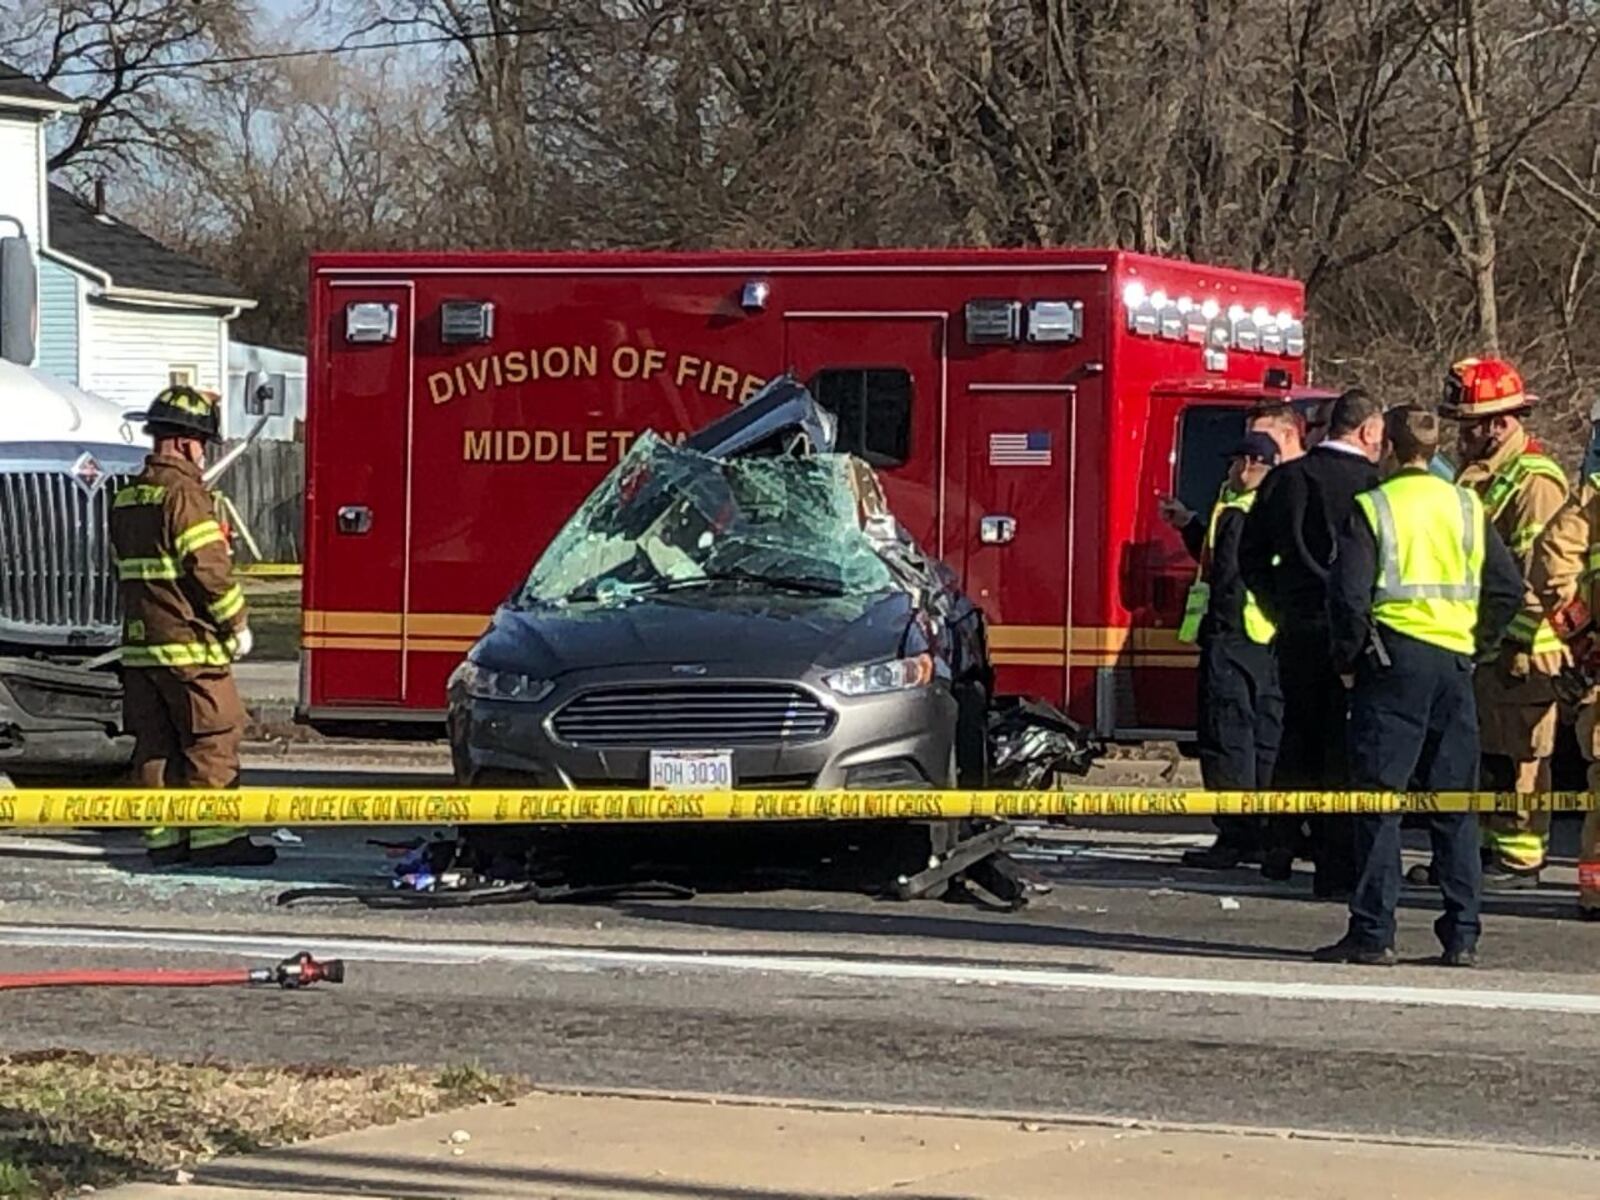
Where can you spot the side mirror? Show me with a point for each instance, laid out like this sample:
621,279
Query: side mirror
264,394
19,300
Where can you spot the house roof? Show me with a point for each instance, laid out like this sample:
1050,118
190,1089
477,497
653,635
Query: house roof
133,264
15,85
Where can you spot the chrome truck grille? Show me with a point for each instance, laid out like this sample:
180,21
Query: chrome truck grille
681,718
57,584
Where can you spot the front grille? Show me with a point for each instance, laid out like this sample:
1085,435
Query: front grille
678,717
741,783
55,558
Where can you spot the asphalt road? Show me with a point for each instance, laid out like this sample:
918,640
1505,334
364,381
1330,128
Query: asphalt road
1134,989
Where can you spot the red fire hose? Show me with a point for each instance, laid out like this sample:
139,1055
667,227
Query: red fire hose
300,971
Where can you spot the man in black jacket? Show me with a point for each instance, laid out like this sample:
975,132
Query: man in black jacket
1285,554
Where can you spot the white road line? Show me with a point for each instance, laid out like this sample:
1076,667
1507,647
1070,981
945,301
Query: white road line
599,959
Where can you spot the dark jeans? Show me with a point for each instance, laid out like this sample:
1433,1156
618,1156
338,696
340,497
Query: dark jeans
1313,754
1240,726
1415,723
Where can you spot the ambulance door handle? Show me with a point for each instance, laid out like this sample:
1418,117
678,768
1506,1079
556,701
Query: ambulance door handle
997,530
355,518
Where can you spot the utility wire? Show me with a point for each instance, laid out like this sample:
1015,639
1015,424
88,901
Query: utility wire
236,60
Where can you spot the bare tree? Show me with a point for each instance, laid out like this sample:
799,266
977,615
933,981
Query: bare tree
128,60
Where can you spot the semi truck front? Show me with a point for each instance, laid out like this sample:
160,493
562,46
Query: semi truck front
62,455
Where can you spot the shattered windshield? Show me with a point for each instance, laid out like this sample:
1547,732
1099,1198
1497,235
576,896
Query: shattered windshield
667,518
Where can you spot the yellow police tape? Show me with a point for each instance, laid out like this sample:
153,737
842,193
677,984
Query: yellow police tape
120,808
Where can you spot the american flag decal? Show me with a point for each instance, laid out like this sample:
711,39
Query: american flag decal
1019,449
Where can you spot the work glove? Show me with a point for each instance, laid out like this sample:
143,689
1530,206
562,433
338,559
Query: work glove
1550,663
1576,680
243,642
1174,512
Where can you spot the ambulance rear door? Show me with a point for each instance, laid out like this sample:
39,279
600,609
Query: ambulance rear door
358,498
1020,551
1189,436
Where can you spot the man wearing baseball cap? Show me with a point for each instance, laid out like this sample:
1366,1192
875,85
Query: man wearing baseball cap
1240,704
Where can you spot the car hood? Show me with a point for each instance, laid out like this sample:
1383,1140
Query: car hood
791,632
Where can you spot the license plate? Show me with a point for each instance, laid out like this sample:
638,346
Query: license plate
691,770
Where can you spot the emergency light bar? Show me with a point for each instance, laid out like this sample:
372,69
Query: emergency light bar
1256,330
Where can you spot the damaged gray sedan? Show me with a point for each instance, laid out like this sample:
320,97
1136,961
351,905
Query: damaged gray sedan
711,621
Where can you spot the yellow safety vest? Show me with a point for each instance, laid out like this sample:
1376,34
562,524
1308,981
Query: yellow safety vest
1430,536
1256,626
1525,629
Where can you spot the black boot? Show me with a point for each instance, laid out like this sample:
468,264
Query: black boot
1348,950
241,852
168,856
1277,864
1219,856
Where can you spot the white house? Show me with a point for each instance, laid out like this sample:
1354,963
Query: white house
120,314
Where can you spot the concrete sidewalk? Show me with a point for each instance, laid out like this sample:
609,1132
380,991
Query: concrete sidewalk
588,1148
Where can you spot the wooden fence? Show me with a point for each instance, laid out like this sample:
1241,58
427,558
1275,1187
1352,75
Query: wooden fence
268,488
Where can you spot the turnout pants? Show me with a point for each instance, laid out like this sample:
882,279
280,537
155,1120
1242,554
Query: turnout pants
1589,848
1517,736
1313,753
1415,721
1240,726
187,724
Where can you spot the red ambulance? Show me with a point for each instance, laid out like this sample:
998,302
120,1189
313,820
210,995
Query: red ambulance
1025,410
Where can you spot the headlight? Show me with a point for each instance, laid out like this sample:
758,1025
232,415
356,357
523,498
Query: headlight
874,679
483,684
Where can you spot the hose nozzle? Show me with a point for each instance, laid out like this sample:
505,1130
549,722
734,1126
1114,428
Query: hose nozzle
302,970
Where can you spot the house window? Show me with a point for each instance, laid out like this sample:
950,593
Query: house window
873,405
186,375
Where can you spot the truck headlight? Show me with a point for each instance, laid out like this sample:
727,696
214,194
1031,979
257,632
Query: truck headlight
875,679
483,684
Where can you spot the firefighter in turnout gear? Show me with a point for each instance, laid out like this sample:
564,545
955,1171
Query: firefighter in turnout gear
184,623
1565,575
1420,587
1522,489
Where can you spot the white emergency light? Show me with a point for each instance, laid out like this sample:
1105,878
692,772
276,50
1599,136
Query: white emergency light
1294,336
466,321
1143,311
1055,320
753,296
370,322
1244,334
1169,316
991,322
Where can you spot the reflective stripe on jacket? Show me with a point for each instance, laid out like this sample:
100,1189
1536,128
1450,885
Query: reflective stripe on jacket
1256,625
1430,538
181,606
1522,489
